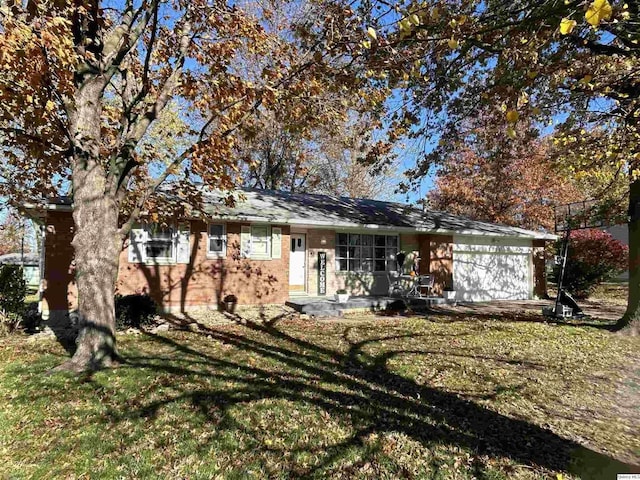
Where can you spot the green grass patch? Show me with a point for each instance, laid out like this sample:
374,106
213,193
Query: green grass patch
381,398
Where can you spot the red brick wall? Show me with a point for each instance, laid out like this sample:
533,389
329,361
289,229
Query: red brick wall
436,258
206,281
321,240
202,282
59,282
539,274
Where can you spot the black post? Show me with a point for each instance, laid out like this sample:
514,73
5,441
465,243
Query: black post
565,251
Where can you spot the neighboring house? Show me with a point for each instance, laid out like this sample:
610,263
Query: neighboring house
620,233
273,245
30,263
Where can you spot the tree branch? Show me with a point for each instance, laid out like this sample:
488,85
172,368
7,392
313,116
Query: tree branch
141,124
124,37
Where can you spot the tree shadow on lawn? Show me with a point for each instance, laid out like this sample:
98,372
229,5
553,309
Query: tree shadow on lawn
361,386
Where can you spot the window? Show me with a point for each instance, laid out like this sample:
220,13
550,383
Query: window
356,252
217,246
260,241
160,243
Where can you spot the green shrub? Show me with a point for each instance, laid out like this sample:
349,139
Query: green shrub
135,311
13,290
594,257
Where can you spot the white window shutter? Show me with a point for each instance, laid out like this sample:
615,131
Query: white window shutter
245,241
276,242
183,250
137,250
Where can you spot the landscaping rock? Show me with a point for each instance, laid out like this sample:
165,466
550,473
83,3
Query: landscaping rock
163,327
46,334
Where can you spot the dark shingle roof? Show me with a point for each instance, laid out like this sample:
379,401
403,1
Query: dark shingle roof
315,210
342,212
17,258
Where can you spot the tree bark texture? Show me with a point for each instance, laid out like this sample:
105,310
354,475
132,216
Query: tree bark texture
629,324
96,241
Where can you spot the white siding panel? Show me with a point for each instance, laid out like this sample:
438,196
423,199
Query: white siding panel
492,269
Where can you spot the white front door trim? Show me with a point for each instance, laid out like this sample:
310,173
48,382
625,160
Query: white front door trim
298,263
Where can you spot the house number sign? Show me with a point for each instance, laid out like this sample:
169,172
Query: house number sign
322,273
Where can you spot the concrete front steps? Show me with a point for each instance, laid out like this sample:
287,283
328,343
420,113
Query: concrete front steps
328,307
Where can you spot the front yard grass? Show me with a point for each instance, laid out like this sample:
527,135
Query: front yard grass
411,397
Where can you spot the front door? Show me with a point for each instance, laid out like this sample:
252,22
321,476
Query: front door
297,260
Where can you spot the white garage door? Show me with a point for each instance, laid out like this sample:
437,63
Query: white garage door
491,269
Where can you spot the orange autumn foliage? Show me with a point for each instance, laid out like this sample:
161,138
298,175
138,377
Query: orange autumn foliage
513,188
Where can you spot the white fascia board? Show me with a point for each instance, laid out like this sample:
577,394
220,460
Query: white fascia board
49,206
306,223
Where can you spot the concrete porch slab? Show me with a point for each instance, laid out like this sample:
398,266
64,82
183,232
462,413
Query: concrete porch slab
327,306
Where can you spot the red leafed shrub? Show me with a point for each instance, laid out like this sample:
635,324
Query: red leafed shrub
594,257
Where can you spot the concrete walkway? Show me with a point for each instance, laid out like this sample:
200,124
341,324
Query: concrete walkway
327,306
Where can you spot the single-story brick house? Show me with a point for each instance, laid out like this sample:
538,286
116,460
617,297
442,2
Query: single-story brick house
272,245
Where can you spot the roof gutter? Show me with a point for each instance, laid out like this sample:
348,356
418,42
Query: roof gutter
61,207
387,228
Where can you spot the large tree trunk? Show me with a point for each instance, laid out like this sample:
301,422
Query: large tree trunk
630,323
97,247
97,243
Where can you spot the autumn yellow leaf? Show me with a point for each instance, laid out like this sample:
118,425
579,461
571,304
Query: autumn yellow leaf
366,44
372,33
405,24
512,116
567,25
511,133
523,99
453,43
415,19
598,10
50,106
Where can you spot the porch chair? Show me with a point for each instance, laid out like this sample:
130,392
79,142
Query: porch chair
422,282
